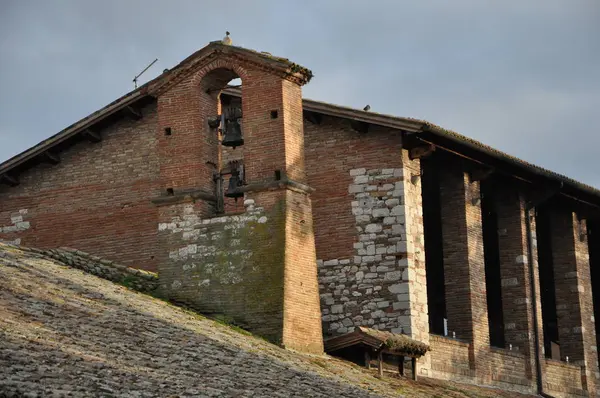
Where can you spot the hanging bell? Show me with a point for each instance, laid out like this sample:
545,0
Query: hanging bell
234,184
214,121
233,134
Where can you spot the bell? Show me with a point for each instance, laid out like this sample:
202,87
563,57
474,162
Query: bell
214,121
234,184
233,134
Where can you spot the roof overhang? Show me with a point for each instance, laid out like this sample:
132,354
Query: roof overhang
422,130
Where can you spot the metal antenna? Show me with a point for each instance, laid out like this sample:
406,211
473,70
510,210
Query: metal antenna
135,79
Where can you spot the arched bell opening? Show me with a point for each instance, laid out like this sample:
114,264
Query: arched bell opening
224,123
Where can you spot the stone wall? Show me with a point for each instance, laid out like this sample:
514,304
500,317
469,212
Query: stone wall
371,288
227,266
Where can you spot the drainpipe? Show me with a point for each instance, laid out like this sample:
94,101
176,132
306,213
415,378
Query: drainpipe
538,364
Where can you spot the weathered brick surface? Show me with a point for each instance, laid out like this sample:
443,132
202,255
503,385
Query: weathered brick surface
96,199
515,275
333,148
463,261
562,379
450,359
267,254
574,295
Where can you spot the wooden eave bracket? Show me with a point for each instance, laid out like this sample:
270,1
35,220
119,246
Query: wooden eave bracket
8,179
92,136
133,113
50,157
313,117
481,174
421,151
361,127
416,148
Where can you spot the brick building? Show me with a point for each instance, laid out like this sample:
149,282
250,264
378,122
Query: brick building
323,219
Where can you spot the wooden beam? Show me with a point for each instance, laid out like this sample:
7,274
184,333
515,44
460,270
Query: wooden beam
313,117
414,368
11,180
401,365
133,113
49,157
367,359
92,136
481,174
380,361
421,151
361,127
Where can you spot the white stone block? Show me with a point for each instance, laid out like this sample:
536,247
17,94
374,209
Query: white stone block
357,211
521,260
398,288
331,262
379,213
401,305
356,188
397,211
337,309
373,228
389,220
362,179
401,247
383,304
357,172
393,276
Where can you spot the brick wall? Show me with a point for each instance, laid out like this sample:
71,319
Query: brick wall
96,199
574,306
463,260
562,379
450,359
257,268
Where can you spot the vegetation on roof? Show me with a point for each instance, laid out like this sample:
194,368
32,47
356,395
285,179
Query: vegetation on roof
399,343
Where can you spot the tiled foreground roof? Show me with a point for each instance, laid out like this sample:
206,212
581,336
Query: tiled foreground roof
65,332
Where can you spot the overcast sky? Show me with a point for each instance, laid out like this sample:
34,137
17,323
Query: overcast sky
521,76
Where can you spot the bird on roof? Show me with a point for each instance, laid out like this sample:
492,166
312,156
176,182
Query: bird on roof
366,108
226,40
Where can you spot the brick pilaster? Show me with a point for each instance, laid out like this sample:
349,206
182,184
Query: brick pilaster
574,295
464,261
415,248
515,276
274,142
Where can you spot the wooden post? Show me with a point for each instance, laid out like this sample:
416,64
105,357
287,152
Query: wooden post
367,359
380,359
414,368
401,366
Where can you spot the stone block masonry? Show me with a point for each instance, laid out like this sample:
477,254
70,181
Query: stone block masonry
18,223
371,288
383,285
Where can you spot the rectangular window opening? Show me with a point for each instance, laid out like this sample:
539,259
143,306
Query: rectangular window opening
547,284
491,254
434,255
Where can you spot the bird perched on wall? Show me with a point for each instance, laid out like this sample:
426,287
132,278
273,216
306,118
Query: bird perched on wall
226,40
366,108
